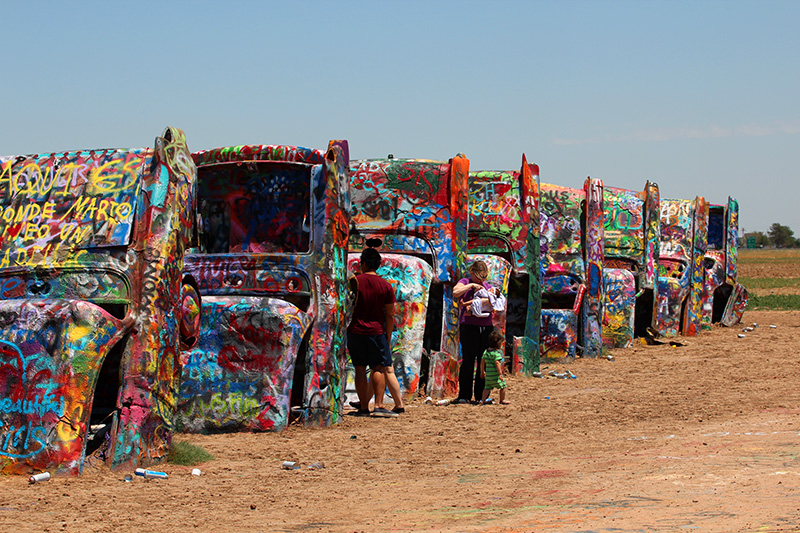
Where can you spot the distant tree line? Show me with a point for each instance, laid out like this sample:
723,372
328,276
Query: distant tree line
778,236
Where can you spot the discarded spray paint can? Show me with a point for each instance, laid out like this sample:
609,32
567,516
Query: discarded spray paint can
773,326
151,474
537,375
36,478
741,335
196,472
316,466
443,402
428,400
289,465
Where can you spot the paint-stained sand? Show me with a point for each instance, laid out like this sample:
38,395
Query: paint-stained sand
703,437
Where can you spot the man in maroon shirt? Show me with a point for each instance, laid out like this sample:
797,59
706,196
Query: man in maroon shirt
369,336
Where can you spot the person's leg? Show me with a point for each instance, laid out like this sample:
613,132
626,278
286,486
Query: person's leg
378,386
394,386
481,343
503,396
362,387
485,395
358,351
359,404
466,372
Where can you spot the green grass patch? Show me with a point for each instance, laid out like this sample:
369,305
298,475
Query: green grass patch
183,453
769,283
774,301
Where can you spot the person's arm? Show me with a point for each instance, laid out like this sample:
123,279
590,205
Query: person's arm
499,365
483,368
461,288
389,321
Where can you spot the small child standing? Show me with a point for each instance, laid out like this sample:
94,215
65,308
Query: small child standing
492,367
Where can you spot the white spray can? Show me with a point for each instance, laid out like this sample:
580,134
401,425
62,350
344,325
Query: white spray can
36,478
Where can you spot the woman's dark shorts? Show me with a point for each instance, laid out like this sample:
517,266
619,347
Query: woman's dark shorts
369,350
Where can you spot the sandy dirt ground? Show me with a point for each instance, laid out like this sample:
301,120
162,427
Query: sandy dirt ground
700,437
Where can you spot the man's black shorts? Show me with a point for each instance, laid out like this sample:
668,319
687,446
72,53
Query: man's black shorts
369,350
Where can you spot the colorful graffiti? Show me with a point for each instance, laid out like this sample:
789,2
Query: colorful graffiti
563,269
681,280
503,207
572,257
271,270
620,301
594,250
411,279
240,376
632,230
724,299
419,208
90,268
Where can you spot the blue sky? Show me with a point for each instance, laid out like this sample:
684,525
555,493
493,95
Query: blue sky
700,97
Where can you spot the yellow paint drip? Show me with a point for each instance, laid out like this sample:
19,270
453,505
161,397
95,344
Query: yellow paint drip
77,332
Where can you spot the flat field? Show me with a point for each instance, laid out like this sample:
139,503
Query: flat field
699,437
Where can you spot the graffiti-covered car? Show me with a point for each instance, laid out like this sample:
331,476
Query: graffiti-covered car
681,271
724,298
418,208
504,233
90,303
571,270
632,230
271,272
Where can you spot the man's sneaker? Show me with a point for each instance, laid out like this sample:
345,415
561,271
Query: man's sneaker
382,412
355,404
360,412
398,410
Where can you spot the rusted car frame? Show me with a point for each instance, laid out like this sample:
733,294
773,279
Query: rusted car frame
418,208
724,298
632,233
271,270
91,304
504,233
572,282
681,278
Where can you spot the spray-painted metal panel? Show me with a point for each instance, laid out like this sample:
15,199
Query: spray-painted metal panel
732,241
724,299
271,269
632,229
419,207
594,245
572,242
620,302
410,277
240,375
503,220
694,309
563,269
675,264
90,299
